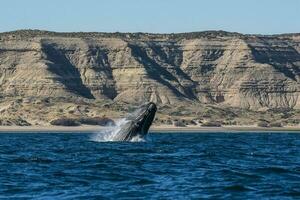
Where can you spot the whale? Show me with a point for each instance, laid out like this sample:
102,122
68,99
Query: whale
137,124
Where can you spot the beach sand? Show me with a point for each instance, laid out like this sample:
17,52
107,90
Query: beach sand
158,129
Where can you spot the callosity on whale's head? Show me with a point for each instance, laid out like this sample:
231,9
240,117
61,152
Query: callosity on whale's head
138,122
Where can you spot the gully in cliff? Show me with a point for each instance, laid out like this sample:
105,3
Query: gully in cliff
137,123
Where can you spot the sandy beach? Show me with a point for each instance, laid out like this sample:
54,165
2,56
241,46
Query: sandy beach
156,129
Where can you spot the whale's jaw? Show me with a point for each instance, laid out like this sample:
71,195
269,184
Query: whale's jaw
138,123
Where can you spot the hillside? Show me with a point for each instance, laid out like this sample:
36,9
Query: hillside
202,76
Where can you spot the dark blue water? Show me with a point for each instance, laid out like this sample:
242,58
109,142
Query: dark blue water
170,166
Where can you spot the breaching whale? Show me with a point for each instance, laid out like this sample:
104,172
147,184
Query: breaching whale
137,123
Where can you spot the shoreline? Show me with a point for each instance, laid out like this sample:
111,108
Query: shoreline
154,129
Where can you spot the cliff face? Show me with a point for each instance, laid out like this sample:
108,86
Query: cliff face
220,69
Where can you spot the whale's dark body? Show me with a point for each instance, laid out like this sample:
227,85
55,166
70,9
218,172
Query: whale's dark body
137,123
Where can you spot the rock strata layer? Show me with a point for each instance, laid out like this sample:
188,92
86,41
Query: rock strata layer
218,68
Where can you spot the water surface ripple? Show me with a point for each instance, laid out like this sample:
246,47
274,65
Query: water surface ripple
170,166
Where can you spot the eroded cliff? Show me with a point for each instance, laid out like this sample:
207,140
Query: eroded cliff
187,71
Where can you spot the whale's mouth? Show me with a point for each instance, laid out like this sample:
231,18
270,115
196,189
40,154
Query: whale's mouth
148,118
139,122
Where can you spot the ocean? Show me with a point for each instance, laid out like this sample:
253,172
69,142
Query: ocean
165,166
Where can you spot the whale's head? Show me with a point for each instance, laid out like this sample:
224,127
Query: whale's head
138,122
143,117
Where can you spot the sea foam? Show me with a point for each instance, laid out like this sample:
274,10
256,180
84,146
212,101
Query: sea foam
111,133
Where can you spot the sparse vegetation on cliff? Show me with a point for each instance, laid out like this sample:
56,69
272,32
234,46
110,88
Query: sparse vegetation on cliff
219,76
101,121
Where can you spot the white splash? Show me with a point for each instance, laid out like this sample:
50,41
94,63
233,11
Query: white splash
111,133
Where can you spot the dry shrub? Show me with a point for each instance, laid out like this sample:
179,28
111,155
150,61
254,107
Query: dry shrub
212,124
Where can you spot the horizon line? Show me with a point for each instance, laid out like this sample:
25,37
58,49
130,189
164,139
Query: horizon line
152,33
